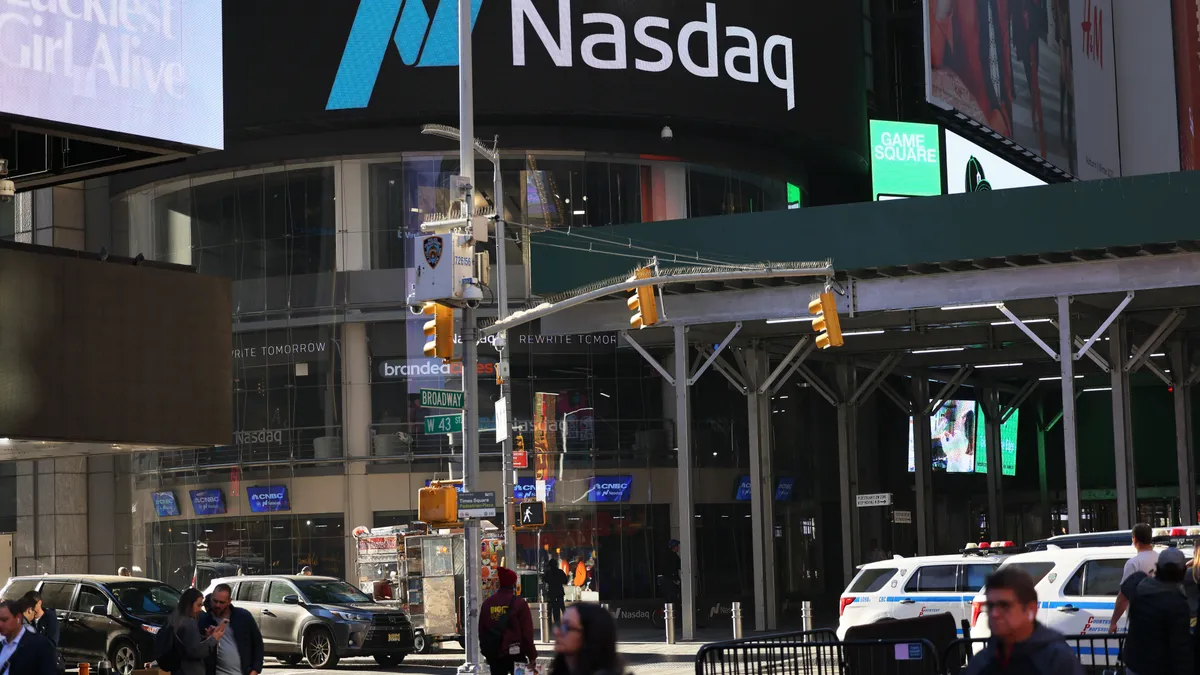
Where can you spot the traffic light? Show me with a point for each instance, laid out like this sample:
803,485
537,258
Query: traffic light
437,504
642,303
439,330
531,514
826,322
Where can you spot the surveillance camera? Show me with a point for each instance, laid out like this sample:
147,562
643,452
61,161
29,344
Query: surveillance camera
666,134
8,190
500,342
472,295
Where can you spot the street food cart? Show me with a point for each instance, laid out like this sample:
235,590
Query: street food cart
422,572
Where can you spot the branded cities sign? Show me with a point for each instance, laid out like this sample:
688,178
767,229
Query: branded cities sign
906,160
605,42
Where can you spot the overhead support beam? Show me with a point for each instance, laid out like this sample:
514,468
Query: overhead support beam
868,386
817,383
1091,354
903,403
1193,377
1070,451
949,388
730,375
1104,326
803,348
717,352
1028,331
1160,335
1022,395
653,361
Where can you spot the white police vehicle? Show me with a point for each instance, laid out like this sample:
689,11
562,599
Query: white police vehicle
1077,587
905,588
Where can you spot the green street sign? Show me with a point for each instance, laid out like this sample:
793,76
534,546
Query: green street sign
441,398
906,160
443,424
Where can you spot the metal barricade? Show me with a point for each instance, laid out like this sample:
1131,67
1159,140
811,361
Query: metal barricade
1099,654
811,657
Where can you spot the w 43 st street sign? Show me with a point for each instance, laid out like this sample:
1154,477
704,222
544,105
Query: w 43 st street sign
443,424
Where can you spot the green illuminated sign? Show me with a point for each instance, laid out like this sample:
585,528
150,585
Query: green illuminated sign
906,160
793,196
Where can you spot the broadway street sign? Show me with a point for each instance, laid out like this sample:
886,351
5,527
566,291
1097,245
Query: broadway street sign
441,398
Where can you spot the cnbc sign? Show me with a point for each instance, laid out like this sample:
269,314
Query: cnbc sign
696,42
906,160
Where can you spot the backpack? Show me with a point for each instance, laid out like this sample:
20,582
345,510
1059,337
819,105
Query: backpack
492,640
166,649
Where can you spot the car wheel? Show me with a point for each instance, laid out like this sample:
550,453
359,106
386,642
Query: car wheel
319,648
421,644
389,660
124,657
290,659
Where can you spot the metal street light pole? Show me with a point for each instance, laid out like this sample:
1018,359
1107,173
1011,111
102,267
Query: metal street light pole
470,342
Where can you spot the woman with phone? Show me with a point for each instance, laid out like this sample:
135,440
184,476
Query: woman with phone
194,648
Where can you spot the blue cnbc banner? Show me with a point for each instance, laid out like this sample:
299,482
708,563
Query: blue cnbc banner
208,502
165,504
268,498
610,488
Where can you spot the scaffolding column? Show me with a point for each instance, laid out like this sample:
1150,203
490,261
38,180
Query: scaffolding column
923,464
1118,349
1043,484
762,510
1066,349
848,469
686,510
995,466
1182,376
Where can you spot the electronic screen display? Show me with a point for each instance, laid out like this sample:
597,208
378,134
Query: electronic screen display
165,504
269,498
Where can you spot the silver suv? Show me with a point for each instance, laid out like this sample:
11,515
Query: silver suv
320,619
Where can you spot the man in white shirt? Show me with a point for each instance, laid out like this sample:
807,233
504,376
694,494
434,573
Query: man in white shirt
1143,561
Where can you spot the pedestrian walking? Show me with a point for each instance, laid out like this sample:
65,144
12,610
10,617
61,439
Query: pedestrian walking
1143,561
1020,644
240,649
555,581
22,651
194,648
44,620
506,627
585,643
1159,638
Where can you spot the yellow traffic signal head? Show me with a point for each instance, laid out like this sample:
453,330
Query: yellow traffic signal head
439,331
437,504
826,322
642,302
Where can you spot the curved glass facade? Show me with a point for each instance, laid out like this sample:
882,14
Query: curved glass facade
326,390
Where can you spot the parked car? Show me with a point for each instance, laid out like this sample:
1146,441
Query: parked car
102,617
320,619
205,572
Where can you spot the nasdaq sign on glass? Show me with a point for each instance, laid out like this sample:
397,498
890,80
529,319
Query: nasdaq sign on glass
424,41
421,40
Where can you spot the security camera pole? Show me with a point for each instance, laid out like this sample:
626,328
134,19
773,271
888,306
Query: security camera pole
470,345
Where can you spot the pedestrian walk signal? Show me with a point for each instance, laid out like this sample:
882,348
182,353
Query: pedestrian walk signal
531,514
825,321
642,302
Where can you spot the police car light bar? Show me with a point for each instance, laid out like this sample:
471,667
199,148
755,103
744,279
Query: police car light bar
1168,532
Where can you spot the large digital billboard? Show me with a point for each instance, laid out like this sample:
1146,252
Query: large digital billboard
1039,73
906,160
970,168
959,436
150,69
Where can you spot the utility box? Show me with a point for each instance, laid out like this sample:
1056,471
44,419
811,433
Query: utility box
444,261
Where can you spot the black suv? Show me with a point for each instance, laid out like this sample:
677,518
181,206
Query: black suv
102,617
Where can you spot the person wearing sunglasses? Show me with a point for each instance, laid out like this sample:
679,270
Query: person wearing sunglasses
1019,643
585,642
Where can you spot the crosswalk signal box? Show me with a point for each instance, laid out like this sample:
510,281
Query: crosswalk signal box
531,514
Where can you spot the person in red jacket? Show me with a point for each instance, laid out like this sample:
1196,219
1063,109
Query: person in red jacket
506,627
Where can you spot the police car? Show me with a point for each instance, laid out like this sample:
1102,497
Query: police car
905,588
1077,587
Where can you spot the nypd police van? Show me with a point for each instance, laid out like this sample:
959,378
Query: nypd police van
1077,587
905,588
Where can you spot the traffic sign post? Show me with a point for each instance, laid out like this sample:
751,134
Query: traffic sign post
444,424
476,505
442,398
876,499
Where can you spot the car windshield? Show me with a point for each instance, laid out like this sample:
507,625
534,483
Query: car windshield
144,598
331,592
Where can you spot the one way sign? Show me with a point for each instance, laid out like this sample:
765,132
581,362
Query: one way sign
533,514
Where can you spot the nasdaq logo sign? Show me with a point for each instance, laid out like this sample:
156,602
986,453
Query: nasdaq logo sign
422,41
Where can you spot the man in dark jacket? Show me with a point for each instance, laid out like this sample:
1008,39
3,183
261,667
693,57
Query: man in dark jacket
43,618
240,651
506,627
23,652
1020,645
1159,640
556,581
